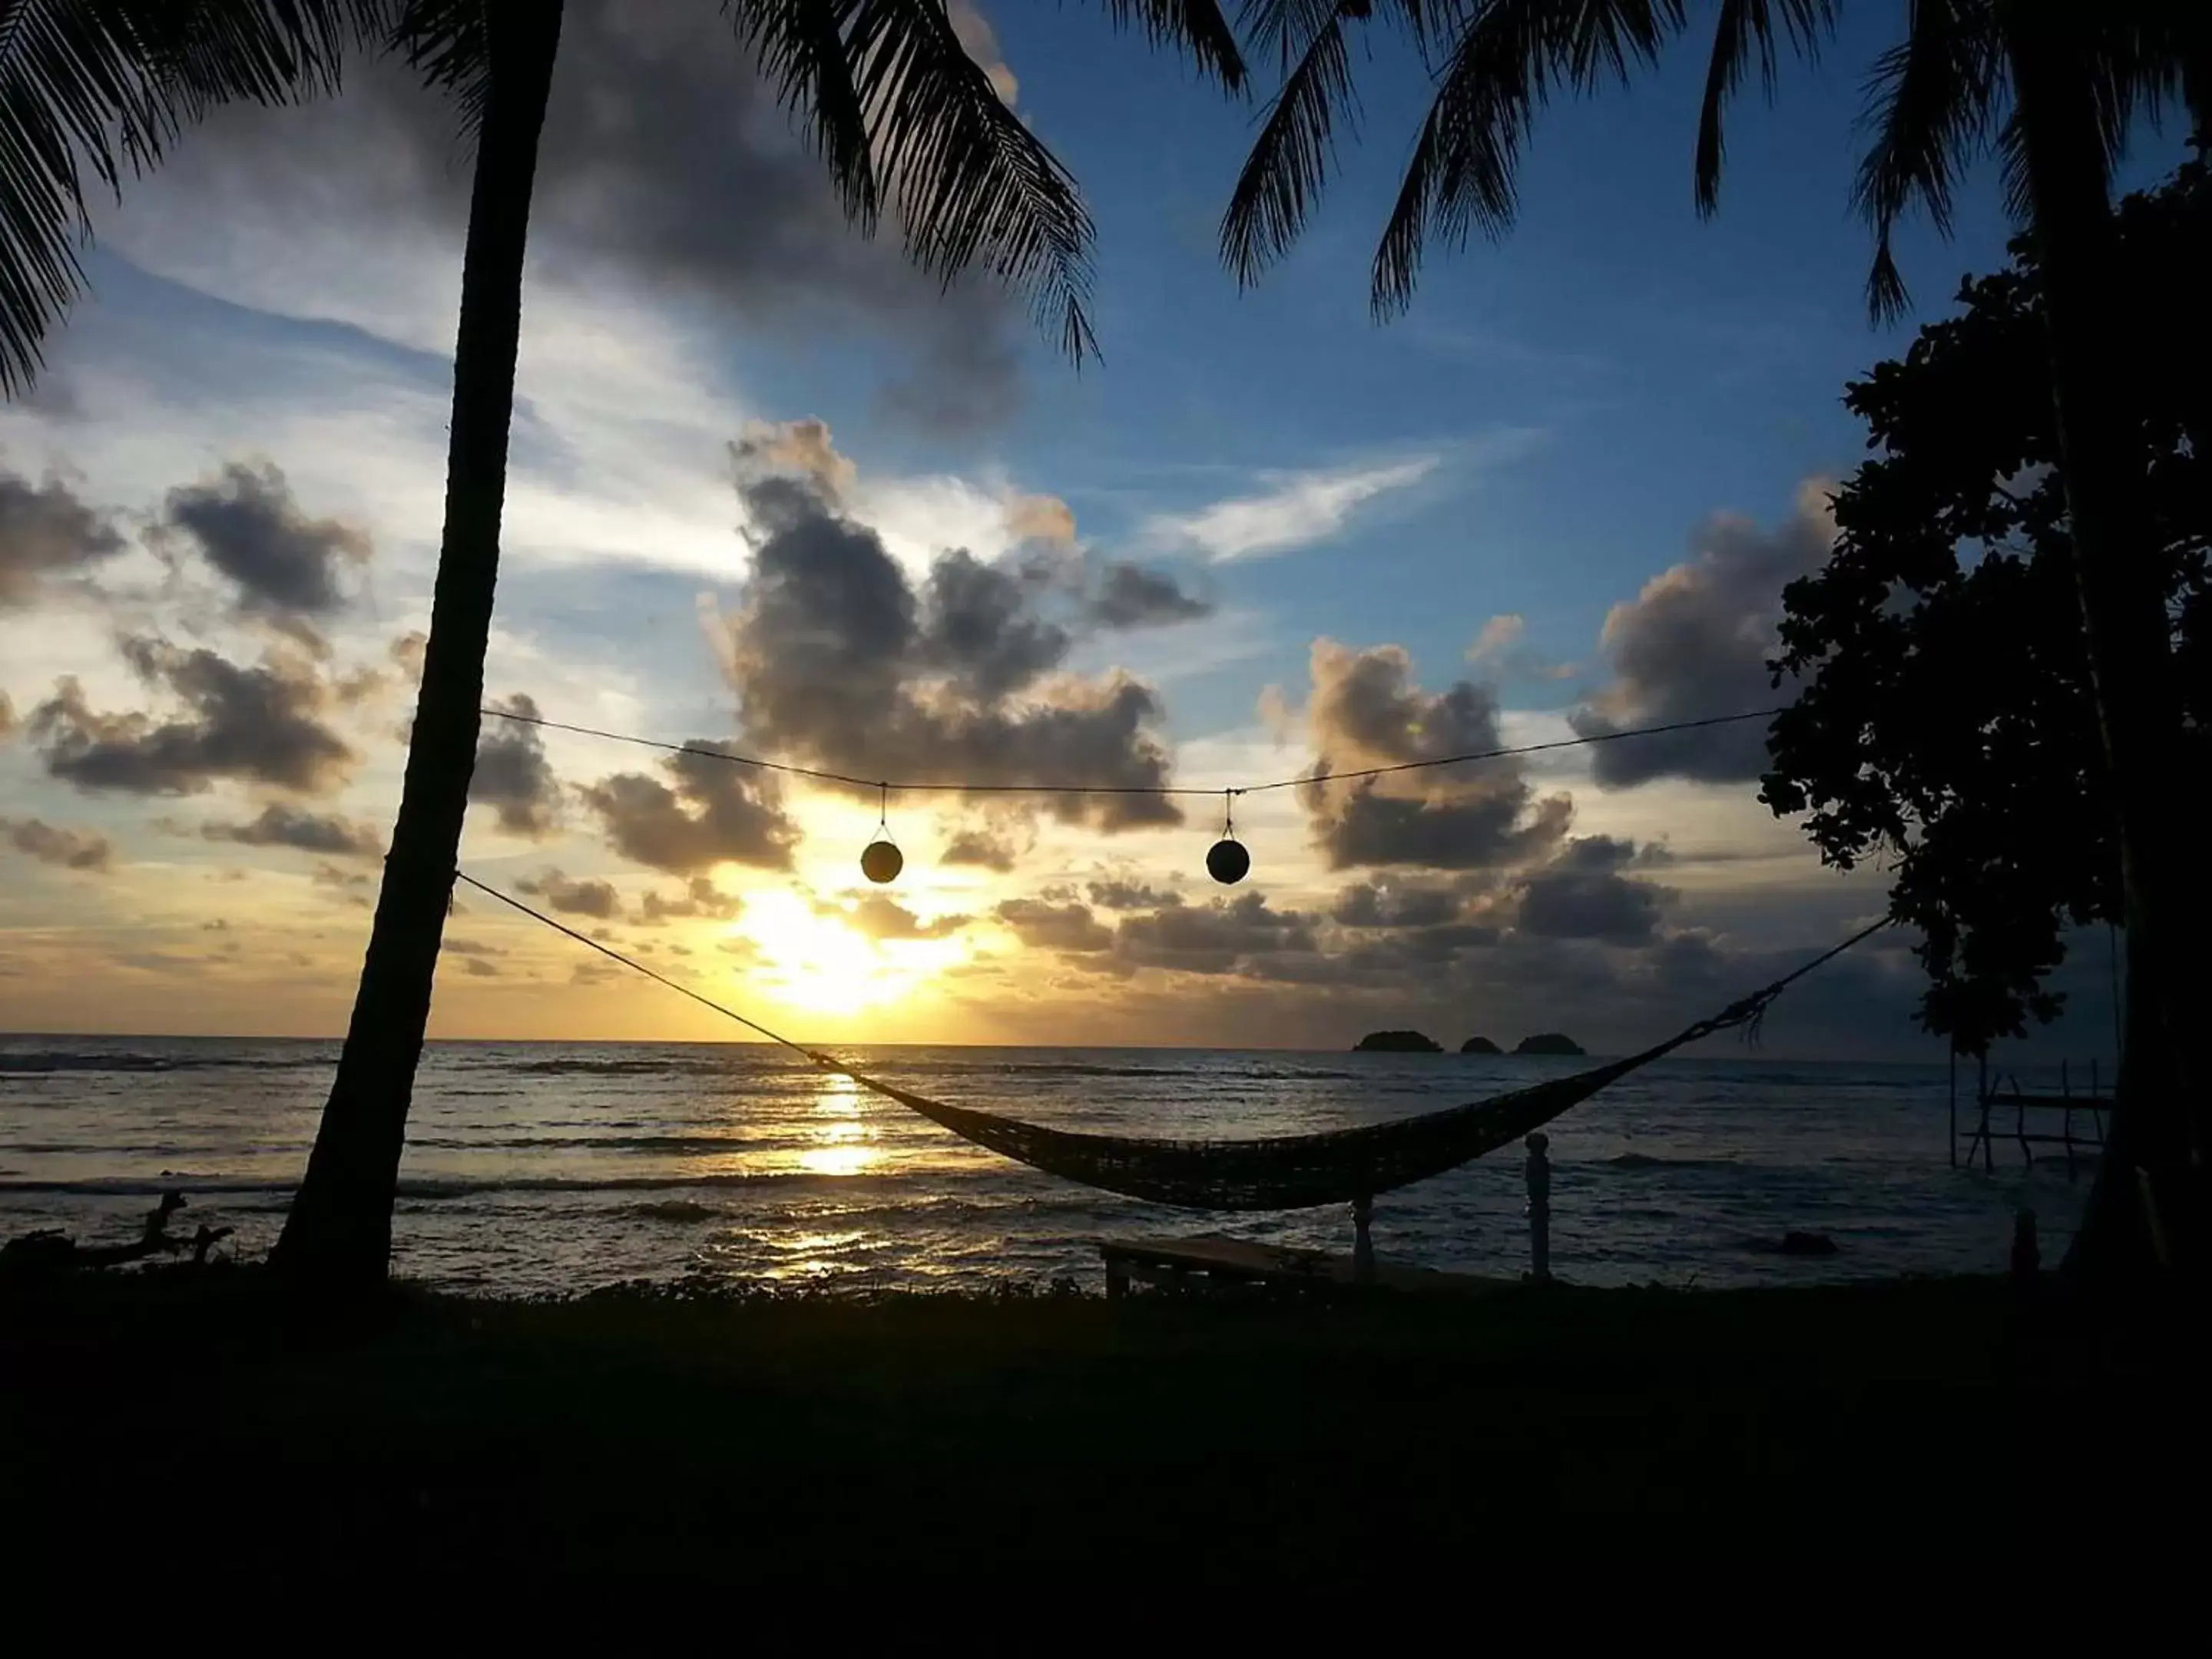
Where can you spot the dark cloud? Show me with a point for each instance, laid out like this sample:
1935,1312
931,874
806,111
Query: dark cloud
1045,927
1366,711
480,968
596,899
716,813
245,523
45,531
280,825
8,721
837,662
1582,894
1221,938
470,947
354,882
1123,895
882,918
701,898
1386,904
257,725
69,849
665,160
981,849
1130,596
1695,643
512,774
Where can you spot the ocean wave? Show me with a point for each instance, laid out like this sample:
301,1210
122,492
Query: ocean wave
40,1063
1654,1161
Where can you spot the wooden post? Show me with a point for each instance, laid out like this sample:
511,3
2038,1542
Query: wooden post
1363,1246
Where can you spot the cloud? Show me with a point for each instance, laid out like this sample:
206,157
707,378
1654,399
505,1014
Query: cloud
66,849
46,530
354,882
839,663
884,918
800,448
596,899
1386,904
9,719
701,898
1042,926
1045,519
257,725
1297,510
981,849
281,825
1582,894
1365,712
1119,895
716,813
1695,642
1498,635
245,523
666,163
1220,938
1129,596
512,776
980,42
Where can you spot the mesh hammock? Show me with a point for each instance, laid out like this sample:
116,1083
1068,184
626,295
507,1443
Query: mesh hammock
1275,1172
1291,1172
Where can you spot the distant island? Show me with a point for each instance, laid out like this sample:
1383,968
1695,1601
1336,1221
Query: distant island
1479,1046
1396,1042
1548,1042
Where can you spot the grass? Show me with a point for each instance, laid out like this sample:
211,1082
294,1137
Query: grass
821,1437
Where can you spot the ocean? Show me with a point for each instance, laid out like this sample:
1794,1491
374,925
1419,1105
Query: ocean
552,1168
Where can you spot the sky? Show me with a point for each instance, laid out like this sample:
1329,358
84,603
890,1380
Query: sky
775,492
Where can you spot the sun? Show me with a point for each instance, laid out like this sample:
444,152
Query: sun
821,964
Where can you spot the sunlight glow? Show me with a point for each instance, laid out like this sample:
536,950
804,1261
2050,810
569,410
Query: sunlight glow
822,963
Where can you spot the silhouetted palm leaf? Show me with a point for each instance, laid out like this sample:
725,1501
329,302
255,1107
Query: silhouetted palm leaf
1745,27
99,85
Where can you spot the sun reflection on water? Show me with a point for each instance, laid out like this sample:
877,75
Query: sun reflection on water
843,1138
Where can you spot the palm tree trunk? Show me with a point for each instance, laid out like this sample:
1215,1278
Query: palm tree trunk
340,1226
2157,1124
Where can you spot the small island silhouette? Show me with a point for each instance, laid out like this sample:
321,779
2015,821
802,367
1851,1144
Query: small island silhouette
1418,1042
1397,1043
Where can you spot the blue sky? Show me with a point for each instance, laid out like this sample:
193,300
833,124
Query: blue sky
1617,406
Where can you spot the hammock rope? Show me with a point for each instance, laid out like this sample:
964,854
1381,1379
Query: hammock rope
1275,1172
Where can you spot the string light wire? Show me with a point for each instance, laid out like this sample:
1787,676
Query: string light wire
885,789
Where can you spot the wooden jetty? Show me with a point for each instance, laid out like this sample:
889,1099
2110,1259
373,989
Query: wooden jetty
1211,1258
2040,1117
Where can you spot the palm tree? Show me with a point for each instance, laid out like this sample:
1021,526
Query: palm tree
2053,86
900,116
95,86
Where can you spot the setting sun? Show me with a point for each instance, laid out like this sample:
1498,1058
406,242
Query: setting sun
820,963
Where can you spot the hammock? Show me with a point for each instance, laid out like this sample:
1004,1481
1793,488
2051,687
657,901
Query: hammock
1296,1172
1276,1172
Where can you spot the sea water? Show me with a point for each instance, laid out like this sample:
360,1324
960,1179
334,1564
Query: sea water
535,1168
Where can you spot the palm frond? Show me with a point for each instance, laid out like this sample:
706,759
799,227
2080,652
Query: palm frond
1746,28
448,44
1289,161
1507,57
1196,26
799,45
90,87
1930,102
972,184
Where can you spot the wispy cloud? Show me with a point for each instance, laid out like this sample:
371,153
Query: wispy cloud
1295,509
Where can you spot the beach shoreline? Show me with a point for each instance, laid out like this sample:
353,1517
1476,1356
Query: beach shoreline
804,1434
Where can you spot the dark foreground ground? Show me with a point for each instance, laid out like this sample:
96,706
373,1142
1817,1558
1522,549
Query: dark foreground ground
837,1439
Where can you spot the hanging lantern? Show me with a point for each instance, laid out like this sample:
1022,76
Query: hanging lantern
1227,860
881,859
